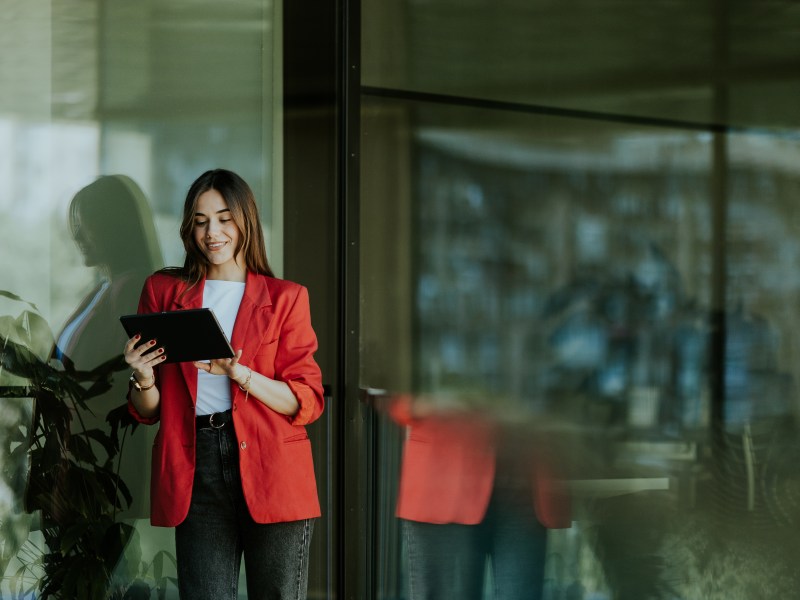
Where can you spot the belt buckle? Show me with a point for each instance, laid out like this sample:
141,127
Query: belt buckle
211,421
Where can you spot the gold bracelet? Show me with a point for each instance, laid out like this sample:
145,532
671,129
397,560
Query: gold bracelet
246,387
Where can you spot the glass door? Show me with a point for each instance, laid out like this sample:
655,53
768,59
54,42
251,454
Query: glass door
575,289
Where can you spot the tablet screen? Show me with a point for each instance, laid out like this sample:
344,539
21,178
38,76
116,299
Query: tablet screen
185,335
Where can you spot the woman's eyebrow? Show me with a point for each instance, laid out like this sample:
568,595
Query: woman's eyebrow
199,214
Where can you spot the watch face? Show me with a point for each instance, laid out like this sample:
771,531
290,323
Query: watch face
136,384
139,386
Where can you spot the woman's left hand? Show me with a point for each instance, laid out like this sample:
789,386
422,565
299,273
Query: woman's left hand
223,366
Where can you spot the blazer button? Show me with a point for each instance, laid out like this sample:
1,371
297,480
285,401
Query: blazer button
243,445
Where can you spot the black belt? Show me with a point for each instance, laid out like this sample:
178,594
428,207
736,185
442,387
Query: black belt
214,420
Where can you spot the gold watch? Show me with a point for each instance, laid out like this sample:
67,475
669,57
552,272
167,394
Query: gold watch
139,386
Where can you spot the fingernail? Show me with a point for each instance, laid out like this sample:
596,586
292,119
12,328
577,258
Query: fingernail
137,336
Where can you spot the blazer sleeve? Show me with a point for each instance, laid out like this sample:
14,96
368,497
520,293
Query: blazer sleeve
294,360
147,304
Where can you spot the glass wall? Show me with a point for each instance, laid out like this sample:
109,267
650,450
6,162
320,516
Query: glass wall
578,298
108,111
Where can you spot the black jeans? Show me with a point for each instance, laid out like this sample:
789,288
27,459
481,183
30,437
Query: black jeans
219,529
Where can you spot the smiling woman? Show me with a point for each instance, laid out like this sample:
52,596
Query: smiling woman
212,480
221,225
217,236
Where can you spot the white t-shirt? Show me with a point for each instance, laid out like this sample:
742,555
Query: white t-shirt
224,298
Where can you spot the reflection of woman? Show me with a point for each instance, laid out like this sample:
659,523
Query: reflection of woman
111,222
472,489
75,458
232,466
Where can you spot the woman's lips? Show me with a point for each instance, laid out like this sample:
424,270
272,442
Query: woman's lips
214,246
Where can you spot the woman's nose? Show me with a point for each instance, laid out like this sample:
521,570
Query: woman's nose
213,226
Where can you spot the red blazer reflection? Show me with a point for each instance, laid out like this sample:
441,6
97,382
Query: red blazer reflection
449,468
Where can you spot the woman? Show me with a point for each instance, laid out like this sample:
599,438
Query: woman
232,466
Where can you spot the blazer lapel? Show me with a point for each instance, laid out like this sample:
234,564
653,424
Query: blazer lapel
191,299
252,321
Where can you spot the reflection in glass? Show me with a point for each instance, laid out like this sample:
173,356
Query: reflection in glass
107,88
560,288
475,486
112,224
86,479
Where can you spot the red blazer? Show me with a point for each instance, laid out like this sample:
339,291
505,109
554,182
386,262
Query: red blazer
448,471
273,328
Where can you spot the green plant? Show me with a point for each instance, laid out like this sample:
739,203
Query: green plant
73,480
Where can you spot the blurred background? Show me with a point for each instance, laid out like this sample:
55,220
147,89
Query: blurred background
552,253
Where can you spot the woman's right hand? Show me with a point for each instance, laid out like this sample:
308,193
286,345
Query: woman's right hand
143,359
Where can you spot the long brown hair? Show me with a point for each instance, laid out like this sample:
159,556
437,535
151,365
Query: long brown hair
244,211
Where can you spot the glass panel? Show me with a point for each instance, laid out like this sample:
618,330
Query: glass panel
582,324
663,60
579,217
108,111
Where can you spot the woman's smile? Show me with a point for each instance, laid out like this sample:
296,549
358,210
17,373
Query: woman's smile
217,236
215,246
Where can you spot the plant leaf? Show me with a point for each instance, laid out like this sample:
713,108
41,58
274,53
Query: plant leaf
72,535
38,335
16,298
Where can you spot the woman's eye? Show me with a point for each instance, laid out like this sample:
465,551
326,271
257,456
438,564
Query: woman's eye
200,223
224,220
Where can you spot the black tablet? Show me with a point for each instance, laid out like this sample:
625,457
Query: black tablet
185,335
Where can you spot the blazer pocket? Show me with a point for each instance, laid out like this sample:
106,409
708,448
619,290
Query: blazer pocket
293,439
268,349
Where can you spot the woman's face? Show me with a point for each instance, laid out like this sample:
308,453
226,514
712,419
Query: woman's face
217,236
86,241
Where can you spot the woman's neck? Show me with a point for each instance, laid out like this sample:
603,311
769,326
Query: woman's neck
227,272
